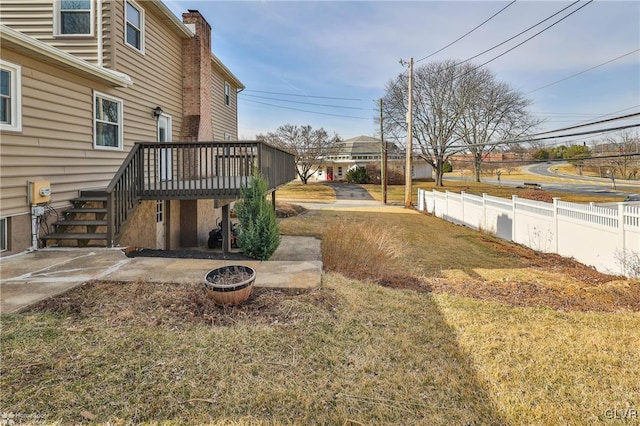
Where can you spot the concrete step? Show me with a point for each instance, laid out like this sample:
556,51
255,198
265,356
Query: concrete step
71,222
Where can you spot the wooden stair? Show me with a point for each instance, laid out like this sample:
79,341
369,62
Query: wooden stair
84,224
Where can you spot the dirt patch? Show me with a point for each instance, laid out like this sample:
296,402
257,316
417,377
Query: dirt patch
288,210
536,194
185,254
175,305
550,262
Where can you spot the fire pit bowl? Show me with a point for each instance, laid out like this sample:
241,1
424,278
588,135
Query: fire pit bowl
230,285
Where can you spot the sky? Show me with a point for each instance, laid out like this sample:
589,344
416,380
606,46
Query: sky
339,56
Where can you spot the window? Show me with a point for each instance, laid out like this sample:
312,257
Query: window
4,235
73,17
227,137
134,26
107,122
10,97
159,211
227,94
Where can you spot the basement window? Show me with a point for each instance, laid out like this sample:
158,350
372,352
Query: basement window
4,234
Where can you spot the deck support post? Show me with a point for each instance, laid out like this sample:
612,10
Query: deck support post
226,228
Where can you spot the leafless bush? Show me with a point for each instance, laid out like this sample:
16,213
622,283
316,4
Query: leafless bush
629,260
358,250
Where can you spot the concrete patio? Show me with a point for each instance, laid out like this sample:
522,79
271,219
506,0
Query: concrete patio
28,278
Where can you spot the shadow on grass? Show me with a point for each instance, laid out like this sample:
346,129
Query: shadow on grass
349,352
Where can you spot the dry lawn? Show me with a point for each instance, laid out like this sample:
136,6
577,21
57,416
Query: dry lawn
350,353
313,192
425,323
395,193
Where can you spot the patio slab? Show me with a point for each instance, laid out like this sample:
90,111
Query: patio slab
28,278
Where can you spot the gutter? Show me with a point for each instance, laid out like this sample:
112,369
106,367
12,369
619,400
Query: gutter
22,43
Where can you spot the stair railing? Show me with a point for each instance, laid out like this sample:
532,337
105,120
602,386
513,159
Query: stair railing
123,194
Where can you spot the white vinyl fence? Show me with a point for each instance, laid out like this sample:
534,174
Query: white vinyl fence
603,237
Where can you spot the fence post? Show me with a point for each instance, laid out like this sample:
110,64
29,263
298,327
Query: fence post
555,223
433,194
484,211
462,202
621,227
514,201
446,198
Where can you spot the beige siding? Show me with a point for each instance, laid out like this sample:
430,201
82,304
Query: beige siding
35,18
157,76
224,117
56,142
108,34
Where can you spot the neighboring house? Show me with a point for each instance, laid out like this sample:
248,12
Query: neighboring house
363,150
113,106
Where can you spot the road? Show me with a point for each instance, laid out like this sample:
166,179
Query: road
564,182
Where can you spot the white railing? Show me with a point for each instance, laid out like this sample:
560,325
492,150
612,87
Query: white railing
606,238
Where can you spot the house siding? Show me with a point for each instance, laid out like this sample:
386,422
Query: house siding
56,141
224,118
35,19
157,77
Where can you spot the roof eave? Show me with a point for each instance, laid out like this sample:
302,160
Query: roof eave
227,73
12,39
170,18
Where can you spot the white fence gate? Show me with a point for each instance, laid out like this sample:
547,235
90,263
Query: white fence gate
606,238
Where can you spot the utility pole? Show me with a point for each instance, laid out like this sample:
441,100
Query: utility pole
383,159
408,179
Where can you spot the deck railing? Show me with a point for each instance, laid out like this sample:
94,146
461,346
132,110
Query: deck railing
190,170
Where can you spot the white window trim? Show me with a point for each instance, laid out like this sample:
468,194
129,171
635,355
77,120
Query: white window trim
227,96
57,22
16,97
120,146
142,25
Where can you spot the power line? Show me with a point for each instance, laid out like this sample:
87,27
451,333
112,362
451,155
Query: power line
303,110
395,82
582,72
469,32
529,139
624,117
611,113
550,160
519,34
300,102
302,96
523,42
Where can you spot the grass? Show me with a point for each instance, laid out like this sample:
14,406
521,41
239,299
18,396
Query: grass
395,193
313,192
351,352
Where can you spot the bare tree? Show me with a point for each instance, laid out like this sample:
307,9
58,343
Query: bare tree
457,108
624,165
495,112
438,102
309,146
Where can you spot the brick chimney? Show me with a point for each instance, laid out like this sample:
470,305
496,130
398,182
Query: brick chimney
196,80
